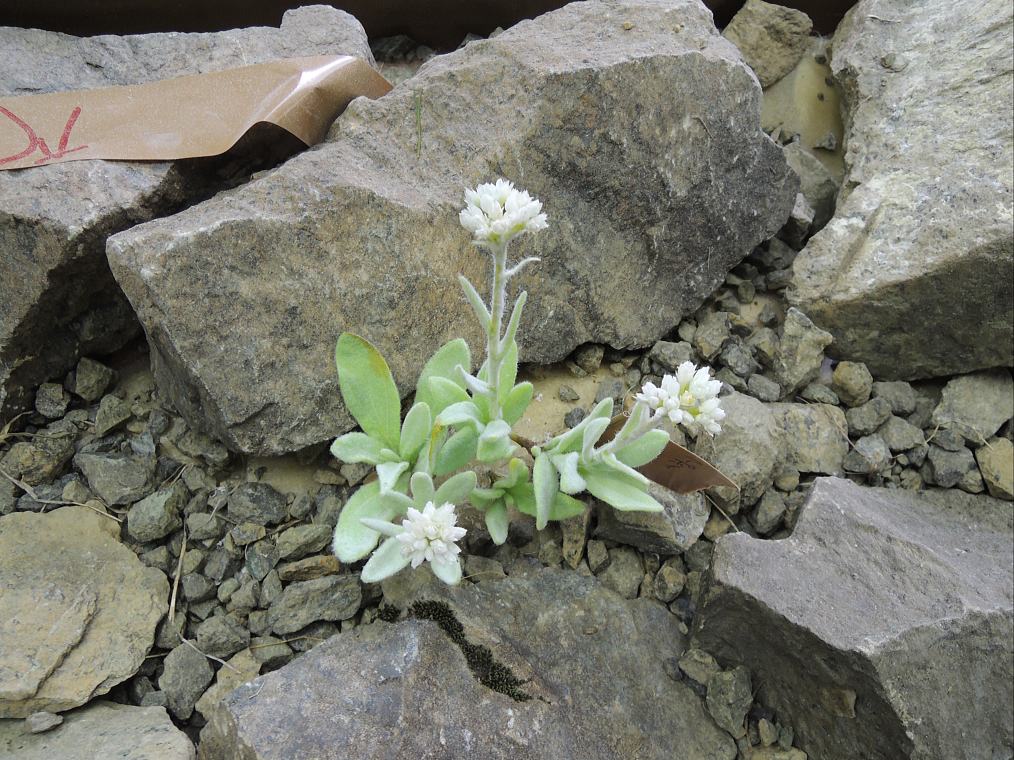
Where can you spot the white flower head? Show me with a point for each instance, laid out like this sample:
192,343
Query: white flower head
688,398
431,535
496,212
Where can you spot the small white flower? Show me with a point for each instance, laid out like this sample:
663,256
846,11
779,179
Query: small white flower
427,536
430,535
496,212
688,398
652,396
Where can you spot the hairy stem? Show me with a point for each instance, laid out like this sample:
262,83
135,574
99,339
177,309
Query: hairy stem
629,434
494,354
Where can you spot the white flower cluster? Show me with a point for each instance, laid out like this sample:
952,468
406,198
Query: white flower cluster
688,398
496,212
430,535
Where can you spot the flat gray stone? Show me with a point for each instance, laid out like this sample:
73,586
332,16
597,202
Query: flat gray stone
157,515
186,673
102,730
78,610
257,503
117,478
814,436
748,450
554,647
800,351
925,221
245,351
60,300
671,531
331,598
976,405
880,621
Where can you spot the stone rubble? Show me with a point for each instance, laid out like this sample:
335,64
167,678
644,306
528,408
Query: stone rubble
255,585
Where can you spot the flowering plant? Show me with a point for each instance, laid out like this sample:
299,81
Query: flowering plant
459,419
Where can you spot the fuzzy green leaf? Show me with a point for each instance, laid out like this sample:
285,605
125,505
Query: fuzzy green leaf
449,571
573,438
421,485
546,482
385,562
563,506
357,447
455,489
619,489
388,474
352,539
442,364
415,430
461,414
508,371
517,402
592,433
483,497
570,479
517,472
481,312
512,326
497,522
444,392
368,389
495,442
644,449
457,451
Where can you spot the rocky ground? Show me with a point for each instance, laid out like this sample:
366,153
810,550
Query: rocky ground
850,599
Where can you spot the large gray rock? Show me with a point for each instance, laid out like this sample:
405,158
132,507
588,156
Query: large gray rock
915,274
883,620
562,667
59,298
100,730
243,297
78,610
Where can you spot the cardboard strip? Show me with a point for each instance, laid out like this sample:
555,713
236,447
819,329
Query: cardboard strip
185,117
676,468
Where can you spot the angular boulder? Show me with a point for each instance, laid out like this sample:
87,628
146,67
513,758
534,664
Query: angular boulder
914,275
100,730
243,297
78,610
59,299
772,38
884,618
509,669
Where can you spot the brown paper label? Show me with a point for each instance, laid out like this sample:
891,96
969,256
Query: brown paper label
676,468
185,117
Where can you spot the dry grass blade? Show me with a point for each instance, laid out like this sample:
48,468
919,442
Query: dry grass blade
5,431
56,502
172,608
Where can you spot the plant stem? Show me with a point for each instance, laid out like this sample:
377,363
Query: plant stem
629,435
498,298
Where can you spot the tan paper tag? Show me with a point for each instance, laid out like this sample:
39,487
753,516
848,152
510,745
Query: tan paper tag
185,117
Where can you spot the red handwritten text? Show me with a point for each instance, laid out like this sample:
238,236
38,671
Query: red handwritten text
38,144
